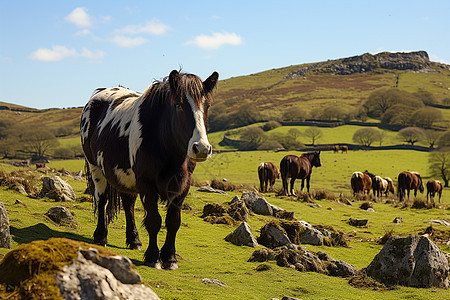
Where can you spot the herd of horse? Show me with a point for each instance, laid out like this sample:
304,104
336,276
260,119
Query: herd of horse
148,145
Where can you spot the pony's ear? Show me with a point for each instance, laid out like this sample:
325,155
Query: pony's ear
211,82
174,80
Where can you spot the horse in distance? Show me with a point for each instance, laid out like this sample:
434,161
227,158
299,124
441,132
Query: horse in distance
298,167
268,172
433,187
146,144
361,183
409,181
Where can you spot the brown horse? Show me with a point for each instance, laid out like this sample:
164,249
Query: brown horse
343,148
409,181
298,167
382,186
268,173
146,144
361,183
433,187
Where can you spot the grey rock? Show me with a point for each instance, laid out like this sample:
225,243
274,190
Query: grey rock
5,234
84,279
440,222
357,222
213,281
20,203
58,189
273,237
235,199
262,207
209,189
310,235
341,268
21,190
412,261
60,215
249,198
370,209
242,236
398,220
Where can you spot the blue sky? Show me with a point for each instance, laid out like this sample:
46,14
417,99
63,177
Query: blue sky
55,53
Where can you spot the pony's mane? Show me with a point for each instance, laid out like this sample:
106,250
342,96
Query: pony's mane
159,90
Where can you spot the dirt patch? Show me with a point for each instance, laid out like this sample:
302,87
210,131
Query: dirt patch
365,282
436,235
216,213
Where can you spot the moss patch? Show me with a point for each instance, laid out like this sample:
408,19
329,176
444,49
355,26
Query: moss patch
30,268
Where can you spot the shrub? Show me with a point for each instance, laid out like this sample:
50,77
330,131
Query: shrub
271,125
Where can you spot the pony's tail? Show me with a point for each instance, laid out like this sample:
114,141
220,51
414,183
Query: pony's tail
284,169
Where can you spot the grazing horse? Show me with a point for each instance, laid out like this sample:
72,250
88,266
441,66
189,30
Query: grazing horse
409,181
382,186
361,183
298,167
433,187
268,173
335,148
148,145
343,148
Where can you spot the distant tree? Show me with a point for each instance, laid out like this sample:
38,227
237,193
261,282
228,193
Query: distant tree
360,114
380,101
411,135
294,133
271,125
313,133
39,140
431,137
380,136
426,97
398,114
425,117
294,114
248,113
332,112
270,145
444,139
439,163
253,137
446,101
365,136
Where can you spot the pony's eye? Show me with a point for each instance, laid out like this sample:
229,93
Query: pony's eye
178,106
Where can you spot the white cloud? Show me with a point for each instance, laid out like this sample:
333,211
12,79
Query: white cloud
84,32
153,27
79,17
216,40
58,53
128,42
436,58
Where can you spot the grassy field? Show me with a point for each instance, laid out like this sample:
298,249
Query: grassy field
201,246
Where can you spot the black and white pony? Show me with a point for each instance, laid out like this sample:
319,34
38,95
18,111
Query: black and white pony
146,144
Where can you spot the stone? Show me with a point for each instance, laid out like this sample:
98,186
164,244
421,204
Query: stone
84,279
412,261
242,236
60,215
398,220
249,198
209,189
5,234
357,222
440,222
235,199
310,235
22,190
213,281
58,189
20,203
370,209
341,268
262,207
273,237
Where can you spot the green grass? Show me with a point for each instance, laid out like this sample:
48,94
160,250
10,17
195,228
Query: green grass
204,253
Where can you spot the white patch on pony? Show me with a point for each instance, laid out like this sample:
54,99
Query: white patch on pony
100,161
125,177
85,130
199,133
124,116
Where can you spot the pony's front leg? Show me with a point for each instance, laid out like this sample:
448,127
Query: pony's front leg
307,183
173,222
100,198
152,222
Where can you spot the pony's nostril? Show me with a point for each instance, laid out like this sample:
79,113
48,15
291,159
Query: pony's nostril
195,149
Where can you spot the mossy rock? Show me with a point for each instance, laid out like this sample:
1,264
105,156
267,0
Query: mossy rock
29,269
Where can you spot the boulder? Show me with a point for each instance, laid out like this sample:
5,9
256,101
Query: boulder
310,235
341,268
249,198
85,279
61,215
413,261
242,236
209,189
58,189
273,237
357,222
398,220
5,235
262,207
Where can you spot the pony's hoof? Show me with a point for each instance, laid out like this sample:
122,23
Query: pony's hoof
155,265
170,266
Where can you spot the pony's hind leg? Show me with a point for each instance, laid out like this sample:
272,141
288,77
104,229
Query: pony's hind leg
292,186
100,198
132,236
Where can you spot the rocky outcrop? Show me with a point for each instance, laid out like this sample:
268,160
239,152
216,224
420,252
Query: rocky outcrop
415,61
242,236
58,189
413,261
5,235
93,277
61,215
